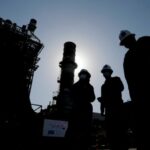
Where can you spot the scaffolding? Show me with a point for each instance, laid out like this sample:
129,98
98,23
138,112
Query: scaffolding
16,41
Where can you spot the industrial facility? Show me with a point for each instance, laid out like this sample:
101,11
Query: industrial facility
20,125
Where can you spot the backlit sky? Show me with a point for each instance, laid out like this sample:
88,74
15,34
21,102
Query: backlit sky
93,25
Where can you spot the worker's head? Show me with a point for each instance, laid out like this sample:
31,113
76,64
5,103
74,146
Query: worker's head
126,38
106,71
84,75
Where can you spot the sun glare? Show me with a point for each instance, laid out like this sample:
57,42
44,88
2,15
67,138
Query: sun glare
81,61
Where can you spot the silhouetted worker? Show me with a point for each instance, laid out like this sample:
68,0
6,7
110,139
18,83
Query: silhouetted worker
82,94
111,98
136,65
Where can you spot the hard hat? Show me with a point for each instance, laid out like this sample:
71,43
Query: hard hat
124,34
84,71
106,68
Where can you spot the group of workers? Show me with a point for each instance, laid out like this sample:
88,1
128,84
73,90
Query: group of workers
136,64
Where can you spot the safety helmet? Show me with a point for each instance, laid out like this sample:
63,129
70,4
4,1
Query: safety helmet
84,71
106,68
124,34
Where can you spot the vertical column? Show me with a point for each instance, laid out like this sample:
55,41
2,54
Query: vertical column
68,67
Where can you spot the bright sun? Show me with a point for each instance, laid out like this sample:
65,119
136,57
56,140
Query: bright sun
81,61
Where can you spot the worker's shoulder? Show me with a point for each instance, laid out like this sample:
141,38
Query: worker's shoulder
144,39
143,43
116,78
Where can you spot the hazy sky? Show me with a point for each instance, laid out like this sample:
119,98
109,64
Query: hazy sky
93,25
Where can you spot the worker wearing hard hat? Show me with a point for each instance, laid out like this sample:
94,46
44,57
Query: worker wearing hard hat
111,99
84,75
136,65
82,94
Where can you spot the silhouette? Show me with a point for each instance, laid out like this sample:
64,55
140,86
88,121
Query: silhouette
136,64
82,94
20,48
111,100
68,66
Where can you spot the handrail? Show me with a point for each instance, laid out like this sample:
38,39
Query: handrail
39,107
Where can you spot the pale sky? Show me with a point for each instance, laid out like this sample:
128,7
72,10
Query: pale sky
93,25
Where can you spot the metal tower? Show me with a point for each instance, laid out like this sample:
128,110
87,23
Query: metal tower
67,65
20,49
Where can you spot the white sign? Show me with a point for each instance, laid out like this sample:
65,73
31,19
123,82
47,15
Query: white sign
54,128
